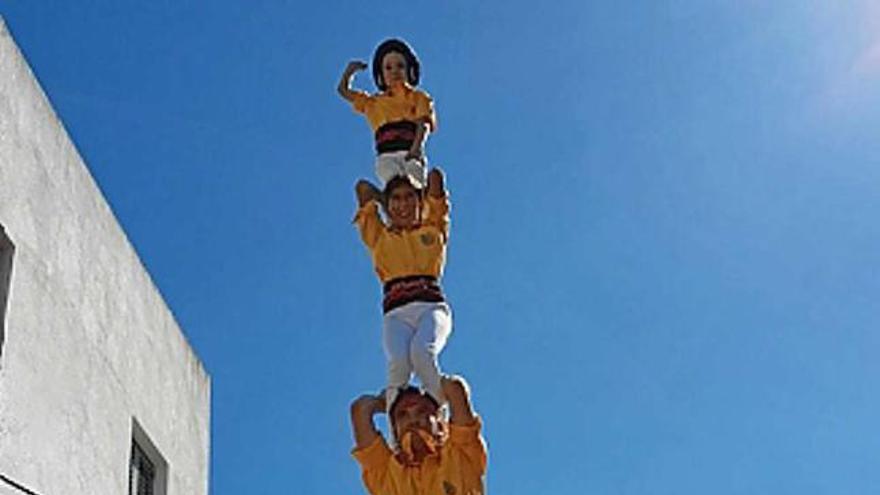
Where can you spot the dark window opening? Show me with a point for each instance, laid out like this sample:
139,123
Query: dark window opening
6,251
148,471
143,472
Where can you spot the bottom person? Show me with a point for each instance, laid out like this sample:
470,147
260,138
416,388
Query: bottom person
432,456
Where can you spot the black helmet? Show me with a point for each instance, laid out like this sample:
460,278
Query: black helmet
400,46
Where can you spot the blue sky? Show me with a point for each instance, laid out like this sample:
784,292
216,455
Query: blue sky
665,247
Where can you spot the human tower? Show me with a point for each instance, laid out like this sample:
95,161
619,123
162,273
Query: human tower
435,442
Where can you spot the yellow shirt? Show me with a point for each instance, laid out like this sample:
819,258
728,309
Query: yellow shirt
396,254
406,104
457,469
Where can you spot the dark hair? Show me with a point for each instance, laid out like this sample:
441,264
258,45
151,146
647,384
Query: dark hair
410,390
397,181
413,68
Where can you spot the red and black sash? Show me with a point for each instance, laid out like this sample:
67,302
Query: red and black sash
395,136
404,290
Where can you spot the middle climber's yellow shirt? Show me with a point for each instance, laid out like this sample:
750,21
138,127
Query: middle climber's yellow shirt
457,469
404,253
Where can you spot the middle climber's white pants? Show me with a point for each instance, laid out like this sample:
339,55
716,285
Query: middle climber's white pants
394,163
413,336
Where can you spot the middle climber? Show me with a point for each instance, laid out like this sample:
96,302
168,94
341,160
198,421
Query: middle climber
409,252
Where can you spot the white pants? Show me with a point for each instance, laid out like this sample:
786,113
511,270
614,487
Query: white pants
413,336
390,165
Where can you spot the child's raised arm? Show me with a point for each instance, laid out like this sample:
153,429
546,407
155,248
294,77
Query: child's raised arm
344,87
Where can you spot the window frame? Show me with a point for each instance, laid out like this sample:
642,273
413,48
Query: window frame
142,448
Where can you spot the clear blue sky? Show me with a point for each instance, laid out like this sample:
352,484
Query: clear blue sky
665,257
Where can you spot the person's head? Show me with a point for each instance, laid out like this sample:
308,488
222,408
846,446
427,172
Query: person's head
403,202
417,423
394,63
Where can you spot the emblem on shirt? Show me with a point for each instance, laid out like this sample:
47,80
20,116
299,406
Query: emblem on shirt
427,239
449,488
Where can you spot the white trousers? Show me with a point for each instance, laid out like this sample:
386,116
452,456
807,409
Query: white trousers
392,164
413,336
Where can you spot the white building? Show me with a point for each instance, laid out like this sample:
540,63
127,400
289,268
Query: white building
100,394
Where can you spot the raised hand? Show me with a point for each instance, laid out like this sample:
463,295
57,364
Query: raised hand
355,66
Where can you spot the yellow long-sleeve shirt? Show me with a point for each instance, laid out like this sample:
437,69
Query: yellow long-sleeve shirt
405,103
457,469
406,253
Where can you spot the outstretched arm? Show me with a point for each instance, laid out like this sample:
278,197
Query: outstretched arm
344,86
362,411
458,393
436,183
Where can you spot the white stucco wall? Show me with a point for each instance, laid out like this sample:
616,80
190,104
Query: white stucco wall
89,343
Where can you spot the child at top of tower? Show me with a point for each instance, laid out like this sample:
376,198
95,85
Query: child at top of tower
401,115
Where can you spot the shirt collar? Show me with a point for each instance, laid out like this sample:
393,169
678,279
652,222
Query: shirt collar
407,88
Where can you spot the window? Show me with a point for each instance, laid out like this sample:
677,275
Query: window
143,472
6,250
148,471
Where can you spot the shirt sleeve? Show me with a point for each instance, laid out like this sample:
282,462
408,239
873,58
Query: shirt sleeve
425,110
374,460
470,442
359,101
368,223
437,214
